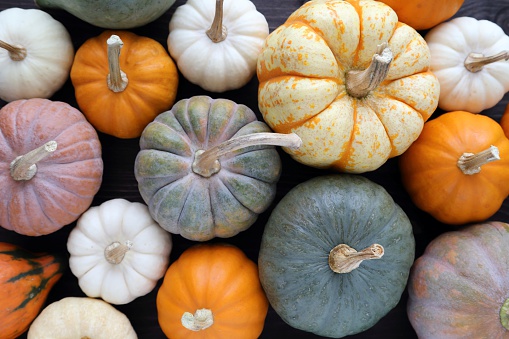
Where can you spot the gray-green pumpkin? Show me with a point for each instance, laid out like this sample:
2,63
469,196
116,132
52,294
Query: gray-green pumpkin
207,168
314,257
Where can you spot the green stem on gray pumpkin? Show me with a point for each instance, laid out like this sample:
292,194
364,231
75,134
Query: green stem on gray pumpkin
24,167
361,83
470,163
115,252
16,53
206,162
217,31
344,259
476,61
200,320
504,314
117,79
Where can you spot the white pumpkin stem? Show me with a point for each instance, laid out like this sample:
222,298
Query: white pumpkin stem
361,83
206,163
117,79
470,163
116,251
200,320
24,167
344,259
217,31
16,53
476,61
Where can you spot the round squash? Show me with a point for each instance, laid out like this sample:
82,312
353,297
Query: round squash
458,169
314,256
504,121
207,168
122,81
350,80
50,165
212,291
459,286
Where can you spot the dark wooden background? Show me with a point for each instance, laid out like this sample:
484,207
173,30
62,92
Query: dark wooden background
119,181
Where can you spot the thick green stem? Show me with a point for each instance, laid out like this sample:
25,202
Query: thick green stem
16,53
344,259
217,31
117,80
24,167
504,314
476,61
471,163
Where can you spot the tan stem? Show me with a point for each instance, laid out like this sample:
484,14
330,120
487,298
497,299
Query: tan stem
16,53
24,167
361,83
206,162
470,163
476,61
115,252
344,259
217,31
117,79
200,320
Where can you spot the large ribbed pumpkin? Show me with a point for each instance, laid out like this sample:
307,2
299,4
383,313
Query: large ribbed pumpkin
313,258
50,165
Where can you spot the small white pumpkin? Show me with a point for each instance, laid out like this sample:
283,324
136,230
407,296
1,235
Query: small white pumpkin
36,54
469,58
217,49
117,251
75,317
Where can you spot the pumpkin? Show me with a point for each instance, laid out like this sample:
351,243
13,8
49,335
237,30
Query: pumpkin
84,318
122,81
458,288
458,169
117,251
504,121
467,56
26,278
36,54
212,291
207,168
217,48
350,80
50,165
335,255
424,14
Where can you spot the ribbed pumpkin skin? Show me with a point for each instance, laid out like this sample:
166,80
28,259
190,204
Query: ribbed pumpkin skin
196,207
25,281
66,181
458,285
218,277
307,223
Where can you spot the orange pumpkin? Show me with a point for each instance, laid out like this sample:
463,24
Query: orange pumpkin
424,14
458,168
122,81
504,121
212,291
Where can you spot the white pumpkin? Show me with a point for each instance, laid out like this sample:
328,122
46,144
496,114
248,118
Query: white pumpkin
217,48
117,251
469,58
36,54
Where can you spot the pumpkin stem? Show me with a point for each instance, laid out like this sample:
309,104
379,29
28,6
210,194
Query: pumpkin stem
361,83
24,167
217,32
206,163
504,314
470,163
16,53
200,320
476,61
115,252
117,79
344,259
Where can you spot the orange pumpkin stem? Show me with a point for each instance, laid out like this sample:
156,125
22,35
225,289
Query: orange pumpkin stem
200,320
206,163
115,252
470,163
476,61
16,53
217,31
361,83
24,167
117,80
344,259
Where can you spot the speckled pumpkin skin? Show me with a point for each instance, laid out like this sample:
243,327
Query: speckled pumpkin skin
307,223
196,207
